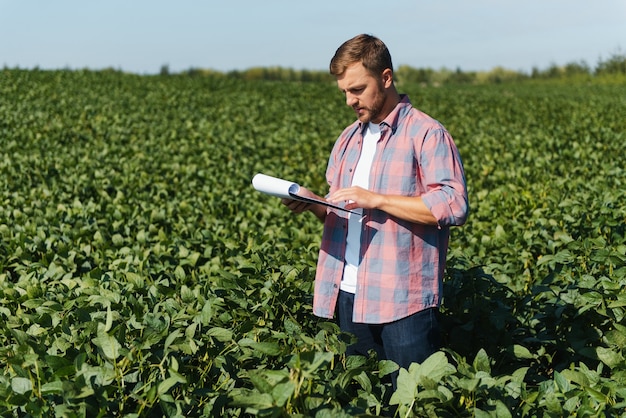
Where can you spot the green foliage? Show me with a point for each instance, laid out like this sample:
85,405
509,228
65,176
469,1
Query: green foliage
141,275
608,71
616,64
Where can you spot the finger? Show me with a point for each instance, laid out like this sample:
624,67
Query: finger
343,197
338,196
300,207
295,206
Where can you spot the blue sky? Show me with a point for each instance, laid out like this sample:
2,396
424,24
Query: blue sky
141,36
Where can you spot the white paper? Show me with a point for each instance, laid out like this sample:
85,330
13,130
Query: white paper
274,186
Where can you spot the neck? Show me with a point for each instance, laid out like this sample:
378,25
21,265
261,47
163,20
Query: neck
392,100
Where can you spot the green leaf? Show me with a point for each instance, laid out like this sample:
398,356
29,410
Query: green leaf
21,385
269,348
481,362
617,336
406,391
364,381
207,313
502,411
469,385
291,327
434,368
52,388
282,392
519,374
620,302
561,382
609,357
108,344
251,399
259,381
179,273
577,377
165,386
221,334
171,338
522,352
386,367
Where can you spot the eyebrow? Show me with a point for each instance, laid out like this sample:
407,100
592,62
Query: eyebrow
355,87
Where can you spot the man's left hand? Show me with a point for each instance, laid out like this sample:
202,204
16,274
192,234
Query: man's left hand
357,197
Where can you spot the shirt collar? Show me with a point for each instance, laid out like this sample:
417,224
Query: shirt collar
396,115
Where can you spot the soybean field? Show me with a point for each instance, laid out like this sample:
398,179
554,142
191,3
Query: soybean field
141,275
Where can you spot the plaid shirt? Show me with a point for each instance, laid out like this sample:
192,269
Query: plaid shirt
402,263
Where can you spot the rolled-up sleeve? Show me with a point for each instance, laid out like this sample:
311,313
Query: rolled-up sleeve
443,175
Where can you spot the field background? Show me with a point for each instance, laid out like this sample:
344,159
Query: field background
141,275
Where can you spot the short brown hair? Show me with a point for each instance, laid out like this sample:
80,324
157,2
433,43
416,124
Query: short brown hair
366,49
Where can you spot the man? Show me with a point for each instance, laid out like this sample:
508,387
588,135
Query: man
380,269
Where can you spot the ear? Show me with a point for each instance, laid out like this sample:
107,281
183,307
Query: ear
387,78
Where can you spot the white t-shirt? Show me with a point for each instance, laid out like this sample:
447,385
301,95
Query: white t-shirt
361,179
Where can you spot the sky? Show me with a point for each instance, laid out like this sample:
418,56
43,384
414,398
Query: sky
142,36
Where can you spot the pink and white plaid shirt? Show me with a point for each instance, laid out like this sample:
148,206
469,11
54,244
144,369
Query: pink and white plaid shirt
402,263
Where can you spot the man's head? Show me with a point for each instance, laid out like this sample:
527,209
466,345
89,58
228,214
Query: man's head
366,49
362,66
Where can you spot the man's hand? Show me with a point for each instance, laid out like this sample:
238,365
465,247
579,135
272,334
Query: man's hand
409,208
296,206
357,197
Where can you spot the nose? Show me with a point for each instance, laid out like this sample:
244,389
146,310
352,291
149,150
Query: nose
351,99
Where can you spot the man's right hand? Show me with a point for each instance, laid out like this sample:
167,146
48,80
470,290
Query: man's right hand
297,206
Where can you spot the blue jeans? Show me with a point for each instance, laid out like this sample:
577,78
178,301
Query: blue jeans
405,341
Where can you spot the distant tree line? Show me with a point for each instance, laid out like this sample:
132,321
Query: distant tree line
267,73
609,69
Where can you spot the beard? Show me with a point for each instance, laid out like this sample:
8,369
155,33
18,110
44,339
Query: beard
374,111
